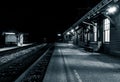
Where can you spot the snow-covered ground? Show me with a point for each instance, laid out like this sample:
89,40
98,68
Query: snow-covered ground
9,48
6,58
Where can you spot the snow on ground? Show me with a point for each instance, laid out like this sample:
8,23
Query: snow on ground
6,58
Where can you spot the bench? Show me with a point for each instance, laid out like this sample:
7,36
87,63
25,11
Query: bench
93,46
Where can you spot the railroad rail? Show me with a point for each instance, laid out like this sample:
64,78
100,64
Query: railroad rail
11,70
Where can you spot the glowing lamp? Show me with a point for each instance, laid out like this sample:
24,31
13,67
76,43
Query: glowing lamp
59,34
72,30
112,10
68,33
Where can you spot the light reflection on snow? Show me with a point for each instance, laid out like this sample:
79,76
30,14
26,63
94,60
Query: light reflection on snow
7,58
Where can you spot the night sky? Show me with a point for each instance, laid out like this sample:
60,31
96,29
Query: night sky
42,21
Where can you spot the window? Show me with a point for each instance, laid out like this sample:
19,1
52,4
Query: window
88,36
85,36
106,30
88,33
95,32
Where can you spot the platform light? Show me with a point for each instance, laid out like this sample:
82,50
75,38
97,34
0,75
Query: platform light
9,33
112,10
68,33
77,27
58,34
72,30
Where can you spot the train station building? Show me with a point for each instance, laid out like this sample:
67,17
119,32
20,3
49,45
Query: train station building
99,29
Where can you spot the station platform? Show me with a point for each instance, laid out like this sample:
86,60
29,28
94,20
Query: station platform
13,47
72,64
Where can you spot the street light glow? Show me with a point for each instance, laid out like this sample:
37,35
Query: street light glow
77,27
112,10
72,30
68,33
59,34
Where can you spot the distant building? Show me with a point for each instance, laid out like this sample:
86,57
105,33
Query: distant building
13,39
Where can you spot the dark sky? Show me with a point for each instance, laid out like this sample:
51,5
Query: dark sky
42,21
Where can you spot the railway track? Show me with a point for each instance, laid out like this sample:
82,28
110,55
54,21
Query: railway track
10,71
36,72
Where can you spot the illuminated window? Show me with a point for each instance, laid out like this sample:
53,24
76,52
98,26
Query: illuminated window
95,32
88,36
88,33
106,30
85,37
